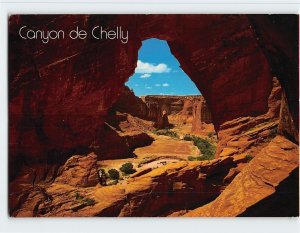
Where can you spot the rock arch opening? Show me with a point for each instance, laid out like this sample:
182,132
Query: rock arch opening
182,122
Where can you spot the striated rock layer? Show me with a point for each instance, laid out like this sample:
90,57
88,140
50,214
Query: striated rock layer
182,109
266,187
201,115
151,193
250,134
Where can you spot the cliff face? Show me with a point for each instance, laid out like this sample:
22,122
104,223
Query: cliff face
201,115
180,109
129,103
172,104
251,134
278,37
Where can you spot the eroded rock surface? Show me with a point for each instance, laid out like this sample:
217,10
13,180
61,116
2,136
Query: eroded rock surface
266,187
79,171
150,194
250,134
201,115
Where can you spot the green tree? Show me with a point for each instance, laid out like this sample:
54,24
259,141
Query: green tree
127,168
114,174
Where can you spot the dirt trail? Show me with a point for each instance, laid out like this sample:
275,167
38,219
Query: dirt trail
167,146
163,150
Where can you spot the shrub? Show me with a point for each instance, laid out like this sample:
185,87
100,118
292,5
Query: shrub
80,199
103,172
207,149
166,132
248,157
200,158
192,158
78,196
210,134
114,174
188,137
127,168
89,201
206,157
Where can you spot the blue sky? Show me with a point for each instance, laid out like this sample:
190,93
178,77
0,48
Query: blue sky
158,72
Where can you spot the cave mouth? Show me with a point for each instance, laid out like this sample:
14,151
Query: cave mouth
161,92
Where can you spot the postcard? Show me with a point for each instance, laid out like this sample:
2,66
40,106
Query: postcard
153,115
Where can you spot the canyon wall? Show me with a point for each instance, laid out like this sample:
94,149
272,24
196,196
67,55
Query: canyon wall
180,109
201,115
127,102
171,104
278,36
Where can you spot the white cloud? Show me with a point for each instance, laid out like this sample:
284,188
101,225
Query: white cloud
157,85
165,84
147,87
145,76
148,68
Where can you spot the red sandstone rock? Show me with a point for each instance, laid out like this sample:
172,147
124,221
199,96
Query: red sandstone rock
278,37
162,122
177,108
120,142
251,134
267,187
79,171
201,115
149,194
129,103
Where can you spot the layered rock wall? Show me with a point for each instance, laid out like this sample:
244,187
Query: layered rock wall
201,115
278,36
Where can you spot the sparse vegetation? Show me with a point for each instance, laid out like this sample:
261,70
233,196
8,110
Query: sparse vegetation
103,172
200,158
114,174
211,134
166,132
86,201
127,168
248,157
188,137
207,149
89,201
193,158
78,196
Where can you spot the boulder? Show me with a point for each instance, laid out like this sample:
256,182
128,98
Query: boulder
79,170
